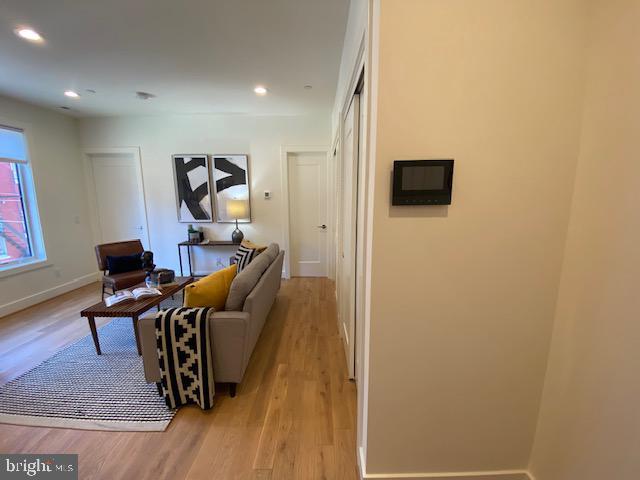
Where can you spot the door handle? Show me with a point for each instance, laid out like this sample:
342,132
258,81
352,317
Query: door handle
323,227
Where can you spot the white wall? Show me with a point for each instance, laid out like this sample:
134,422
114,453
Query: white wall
60,189
463,297
159,137
590,421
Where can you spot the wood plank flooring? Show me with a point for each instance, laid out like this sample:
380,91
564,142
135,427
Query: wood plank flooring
293,417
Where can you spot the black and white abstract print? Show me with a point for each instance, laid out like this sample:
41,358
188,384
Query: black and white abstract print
231,178
192,188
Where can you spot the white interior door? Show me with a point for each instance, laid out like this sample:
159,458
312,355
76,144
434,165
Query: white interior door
347,243
119,198
308,213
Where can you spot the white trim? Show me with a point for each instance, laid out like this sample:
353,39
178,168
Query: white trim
362,468
109,425
285,150
35,233
370,66
479,475
332,202
39,297
90,185
16,268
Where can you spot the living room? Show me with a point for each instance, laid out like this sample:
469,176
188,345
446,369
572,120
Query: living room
90,161
402,231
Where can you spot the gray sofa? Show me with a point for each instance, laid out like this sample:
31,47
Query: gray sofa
234,333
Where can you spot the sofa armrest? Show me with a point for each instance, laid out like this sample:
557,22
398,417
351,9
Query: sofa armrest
229,332
147,333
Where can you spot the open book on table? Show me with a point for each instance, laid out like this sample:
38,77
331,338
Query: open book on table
135,294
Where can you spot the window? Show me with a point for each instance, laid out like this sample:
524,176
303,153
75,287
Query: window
20,233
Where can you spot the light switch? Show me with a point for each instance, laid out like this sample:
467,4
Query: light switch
267,195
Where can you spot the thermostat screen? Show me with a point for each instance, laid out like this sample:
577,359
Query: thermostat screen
423,178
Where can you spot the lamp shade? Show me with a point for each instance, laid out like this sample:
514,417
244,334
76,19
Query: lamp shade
237,208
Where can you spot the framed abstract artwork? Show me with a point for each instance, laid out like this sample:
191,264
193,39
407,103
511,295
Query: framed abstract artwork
231,181
193,189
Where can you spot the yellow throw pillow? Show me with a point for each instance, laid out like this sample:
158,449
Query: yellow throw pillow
210,291
249,244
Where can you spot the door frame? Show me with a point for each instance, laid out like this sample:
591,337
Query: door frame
91,188
333,203
285,150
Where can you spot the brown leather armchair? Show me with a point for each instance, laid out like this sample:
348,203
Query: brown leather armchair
119,281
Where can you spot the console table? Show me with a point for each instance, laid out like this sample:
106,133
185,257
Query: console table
190,245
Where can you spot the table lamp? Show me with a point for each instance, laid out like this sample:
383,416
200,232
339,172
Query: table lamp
237,209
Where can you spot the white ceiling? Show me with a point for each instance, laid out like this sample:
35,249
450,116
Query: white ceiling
197,56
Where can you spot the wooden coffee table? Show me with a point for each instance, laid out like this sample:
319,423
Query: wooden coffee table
130,309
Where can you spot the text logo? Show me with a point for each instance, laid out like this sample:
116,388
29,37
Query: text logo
35,466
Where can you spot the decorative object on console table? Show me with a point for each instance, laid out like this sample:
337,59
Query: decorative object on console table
193,192
231,180
195,236
237,209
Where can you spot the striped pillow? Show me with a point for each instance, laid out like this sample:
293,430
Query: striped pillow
244,255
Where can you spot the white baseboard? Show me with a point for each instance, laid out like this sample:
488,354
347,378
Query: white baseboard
30,300
486,475
361,463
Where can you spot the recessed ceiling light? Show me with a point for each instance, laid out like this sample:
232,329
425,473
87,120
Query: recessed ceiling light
145,95
308,87
29,34
71,94
260,90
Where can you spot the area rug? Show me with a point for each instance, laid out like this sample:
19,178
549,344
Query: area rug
78,389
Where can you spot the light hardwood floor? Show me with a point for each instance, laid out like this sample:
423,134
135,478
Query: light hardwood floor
293,417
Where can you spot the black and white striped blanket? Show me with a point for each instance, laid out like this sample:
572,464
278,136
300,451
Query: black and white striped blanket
186,360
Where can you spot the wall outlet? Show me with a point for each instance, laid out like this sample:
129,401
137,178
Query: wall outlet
267,195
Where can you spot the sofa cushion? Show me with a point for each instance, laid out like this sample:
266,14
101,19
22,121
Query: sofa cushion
244,256
249,244
210,291
245,280
272,252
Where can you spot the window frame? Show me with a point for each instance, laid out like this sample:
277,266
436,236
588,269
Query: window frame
3,245
38,258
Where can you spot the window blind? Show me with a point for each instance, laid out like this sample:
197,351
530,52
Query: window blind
13,148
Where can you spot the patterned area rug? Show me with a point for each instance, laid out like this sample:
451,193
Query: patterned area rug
78,389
